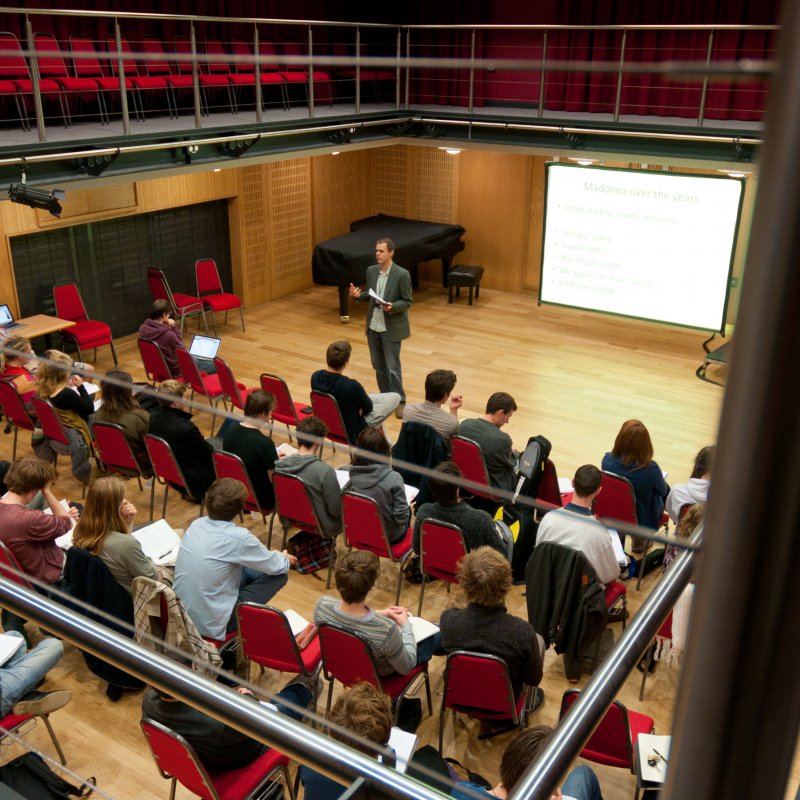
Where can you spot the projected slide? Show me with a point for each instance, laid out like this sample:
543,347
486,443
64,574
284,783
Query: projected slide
651,245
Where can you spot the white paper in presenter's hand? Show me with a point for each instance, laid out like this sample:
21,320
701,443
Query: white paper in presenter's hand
377,298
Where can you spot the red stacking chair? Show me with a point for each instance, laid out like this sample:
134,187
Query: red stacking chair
441,547
469,457
158,65
217,71
548,491
88,65
208,82
11,571
614,739
228,465
291,75
346,657
166,471
182,305
206,385
364,530
177,760
326,407
479,685
209,290
15,411
246,72
153,361
114,450
294,508
286,410
52,65
15,78
267,639
85,332
234,391
147,82
52,427
323,79
379,74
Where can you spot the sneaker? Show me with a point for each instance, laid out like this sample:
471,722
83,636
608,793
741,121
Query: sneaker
538,701
41,702
312,682
398,412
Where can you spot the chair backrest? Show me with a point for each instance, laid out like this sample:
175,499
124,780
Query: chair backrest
284,410
159,287
267,51
363,524
229,465
293,49
165,465
176,758
89,65
469,457
13,407
347,657
267,638
128,63
153,361
113,448
48,52
616,499
327,409
68,302
207,276
549,491
220,64
441,547
610,744
293,502
243,50
49,421
189,371
13,63
8,561
228,383
478,682
157,64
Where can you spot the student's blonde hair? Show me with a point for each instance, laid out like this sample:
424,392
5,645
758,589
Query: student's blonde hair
100,514
53,373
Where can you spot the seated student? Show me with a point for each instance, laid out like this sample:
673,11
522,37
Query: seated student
160,328
367,712
381,483
695,490
120,407
319,477
498,451
56,383
485,626
218,746
575,526
439,385
173,423
104,529
23,672
581,783
256,449
220,565
15,367
476,525
632,458
358,408
387,631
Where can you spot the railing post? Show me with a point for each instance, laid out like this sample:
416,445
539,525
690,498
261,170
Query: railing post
195,76
397,69
701,115
37,89
310,73
358,70
542,74
257,70
408,64
619,75
123,94
472,72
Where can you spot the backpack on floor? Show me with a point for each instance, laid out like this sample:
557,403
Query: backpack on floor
31,778
312,551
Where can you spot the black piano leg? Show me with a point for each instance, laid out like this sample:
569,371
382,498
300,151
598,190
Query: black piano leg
414,276
445,270
344,304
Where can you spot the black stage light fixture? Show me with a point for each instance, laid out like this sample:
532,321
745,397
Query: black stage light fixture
37,198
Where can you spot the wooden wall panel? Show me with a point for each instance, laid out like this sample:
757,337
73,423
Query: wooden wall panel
250,242
342,191
533,262
494,205
436,190
390,180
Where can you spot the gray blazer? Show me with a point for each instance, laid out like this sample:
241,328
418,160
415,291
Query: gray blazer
398,293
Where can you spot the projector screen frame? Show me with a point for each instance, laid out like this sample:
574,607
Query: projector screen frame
667,175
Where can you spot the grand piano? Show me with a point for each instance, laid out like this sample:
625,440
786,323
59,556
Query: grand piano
344,259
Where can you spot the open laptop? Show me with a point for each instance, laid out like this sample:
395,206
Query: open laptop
204,347
7,319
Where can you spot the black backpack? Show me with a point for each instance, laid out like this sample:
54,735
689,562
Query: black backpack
31,778
531,466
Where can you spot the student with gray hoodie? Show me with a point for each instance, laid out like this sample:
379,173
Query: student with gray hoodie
380,482
319,477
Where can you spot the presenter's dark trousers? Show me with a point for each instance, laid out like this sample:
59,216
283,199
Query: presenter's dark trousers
385,357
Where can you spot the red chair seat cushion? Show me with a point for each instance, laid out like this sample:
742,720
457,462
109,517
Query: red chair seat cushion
89,333
614,591
214,80
399,549
184,300
286,419
11,721
237,783
311,655
212,384
394,684
222,301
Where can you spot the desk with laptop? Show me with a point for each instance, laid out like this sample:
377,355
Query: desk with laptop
30,327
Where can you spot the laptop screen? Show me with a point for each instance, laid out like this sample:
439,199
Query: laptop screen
204,347
5,315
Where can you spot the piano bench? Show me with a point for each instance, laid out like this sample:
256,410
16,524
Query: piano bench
464,275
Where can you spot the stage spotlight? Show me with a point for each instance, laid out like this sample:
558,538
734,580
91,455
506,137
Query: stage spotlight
37,198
